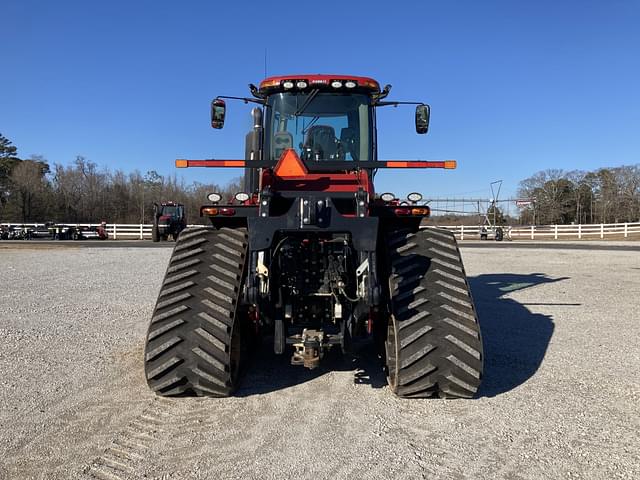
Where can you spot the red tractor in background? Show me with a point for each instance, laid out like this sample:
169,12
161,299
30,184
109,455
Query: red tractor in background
169,219
310,256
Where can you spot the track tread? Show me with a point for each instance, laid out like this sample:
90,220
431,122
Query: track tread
188,347
434,345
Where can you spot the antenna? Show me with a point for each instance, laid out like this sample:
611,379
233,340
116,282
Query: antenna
265,62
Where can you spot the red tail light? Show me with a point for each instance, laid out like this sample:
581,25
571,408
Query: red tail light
227,211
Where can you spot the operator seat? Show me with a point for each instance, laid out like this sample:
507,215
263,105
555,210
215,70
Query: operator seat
349,143
281,142
321,142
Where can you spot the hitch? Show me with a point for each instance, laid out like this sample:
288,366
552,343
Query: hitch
310,346
309,351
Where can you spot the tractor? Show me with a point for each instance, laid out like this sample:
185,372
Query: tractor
310,258
169,219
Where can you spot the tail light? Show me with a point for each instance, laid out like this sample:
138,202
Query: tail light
228,212
420,211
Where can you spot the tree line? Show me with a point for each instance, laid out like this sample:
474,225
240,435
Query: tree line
32,190
606,195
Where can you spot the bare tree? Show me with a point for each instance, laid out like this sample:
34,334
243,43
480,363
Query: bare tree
604,195
28,185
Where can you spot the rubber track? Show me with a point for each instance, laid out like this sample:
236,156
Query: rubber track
189,338
437,336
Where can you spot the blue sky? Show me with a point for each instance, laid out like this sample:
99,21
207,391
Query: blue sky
515,87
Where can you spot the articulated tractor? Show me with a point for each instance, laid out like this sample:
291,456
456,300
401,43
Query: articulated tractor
309,255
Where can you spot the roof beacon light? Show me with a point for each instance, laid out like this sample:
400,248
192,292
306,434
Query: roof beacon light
242,196
414,197
214,197
387,197
302,84
288,84
336,84
350,84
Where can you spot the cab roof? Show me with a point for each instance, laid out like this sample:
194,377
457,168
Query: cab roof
306,81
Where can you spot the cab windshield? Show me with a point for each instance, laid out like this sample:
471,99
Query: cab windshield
172,211
319,126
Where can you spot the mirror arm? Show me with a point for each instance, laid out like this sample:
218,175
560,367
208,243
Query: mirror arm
395,104
245,100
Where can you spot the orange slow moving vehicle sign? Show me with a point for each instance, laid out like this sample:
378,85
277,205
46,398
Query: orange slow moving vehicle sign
290,165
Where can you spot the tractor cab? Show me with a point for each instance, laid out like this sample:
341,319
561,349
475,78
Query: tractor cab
171,211
320,126
327,120
322,118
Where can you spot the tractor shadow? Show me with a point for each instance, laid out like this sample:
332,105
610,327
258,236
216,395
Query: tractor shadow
515,340
267,372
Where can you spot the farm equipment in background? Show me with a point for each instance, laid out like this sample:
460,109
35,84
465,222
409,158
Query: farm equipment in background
309,256
54,231
15,232
169,219
489,227
61,231
42,230
90,233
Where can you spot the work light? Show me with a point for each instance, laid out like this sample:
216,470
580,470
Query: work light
214,197
387,197
414,197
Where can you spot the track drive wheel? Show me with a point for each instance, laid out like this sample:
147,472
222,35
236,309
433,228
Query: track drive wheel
196,340
433,345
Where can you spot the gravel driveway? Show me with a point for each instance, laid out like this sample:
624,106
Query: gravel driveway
560,399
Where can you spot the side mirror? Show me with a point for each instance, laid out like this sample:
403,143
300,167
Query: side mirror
422,118
218,110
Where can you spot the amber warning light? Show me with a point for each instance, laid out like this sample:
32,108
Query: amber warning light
448,164
290,168
181,163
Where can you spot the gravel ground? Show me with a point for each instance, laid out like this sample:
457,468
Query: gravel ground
560,399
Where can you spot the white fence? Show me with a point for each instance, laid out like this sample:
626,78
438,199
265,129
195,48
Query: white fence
554,232
122,231
546,232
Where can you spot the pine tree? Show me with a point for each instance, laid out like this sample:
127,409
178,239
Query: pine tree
8,160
